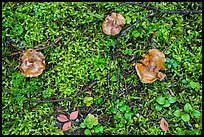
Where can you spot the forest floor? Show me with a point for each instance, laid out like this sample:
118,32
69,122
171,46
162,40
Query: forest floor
91,73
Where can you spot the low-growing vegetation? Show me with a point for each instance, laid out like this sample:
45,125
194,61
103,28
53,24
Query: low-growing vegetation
89,84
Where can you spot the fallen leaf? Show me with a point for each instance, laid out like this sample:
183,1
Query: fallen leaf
66,126
74,115
62,118
171,92
164,124
154,35
13,4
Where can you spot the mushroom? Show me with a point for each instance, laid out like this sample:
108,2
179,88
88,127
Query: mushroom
32,63
113,24
148,69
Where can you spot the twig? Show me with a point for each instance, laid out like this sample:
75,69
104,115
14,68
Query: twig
12,54
126,30
166,11
116,68
51,101
7,91
108,77
19,52
58,100
39,45
87,88
50,44
200,7
117,40
98,106
55,100
93,22
124,83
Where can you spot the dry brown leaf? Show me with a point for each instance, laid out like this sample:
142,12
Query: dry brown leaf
74,115
164,124
66,126
171,92
62,118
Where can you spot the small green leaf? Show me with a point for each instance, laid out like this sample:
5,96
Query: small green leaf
161,100
82,125
113,110
88,101
122,107
17,30
114,78
171,61
185,117
91,119
187,107
98,101
89,125
196,113
184,81
98,129
175,64
159,34
135,109
110,43
195,85
158,107
167,104
127,19
135,33
128,51
87,132
169,66
177,113
128,115
167,60
172,99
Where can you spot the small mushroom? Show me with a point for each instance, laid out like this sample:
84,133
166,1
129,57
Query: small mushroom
113,24
148,69
32,63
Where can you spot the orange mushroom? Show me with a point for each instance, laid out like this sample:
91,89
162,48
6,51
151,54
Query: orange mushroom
32,63
148,69
113,24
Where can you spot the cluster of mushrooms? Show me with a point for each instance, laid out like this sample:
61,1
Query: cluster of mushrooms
32,63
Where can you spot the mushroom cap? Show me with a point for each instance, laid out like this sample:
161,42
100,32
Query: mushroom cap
113,24
144,74
32,63
148,69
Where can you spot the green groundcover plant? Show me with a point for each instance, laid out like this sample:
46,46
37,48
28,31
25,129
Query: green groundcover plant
89,85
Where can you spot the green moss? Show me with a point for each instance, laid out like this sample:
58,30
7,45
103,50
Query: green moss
83,56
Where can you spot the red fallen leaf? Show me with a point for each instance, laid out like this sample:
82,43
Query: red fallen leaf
164,124
66,126
62,118
74,115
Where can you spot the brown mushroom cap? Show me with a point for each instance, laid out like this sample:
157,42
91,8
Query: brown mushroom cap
144,74
148,69
32,63
113,24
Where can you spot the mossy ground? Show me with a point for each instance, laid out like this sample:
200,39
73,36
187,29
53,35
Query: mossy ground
84,56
